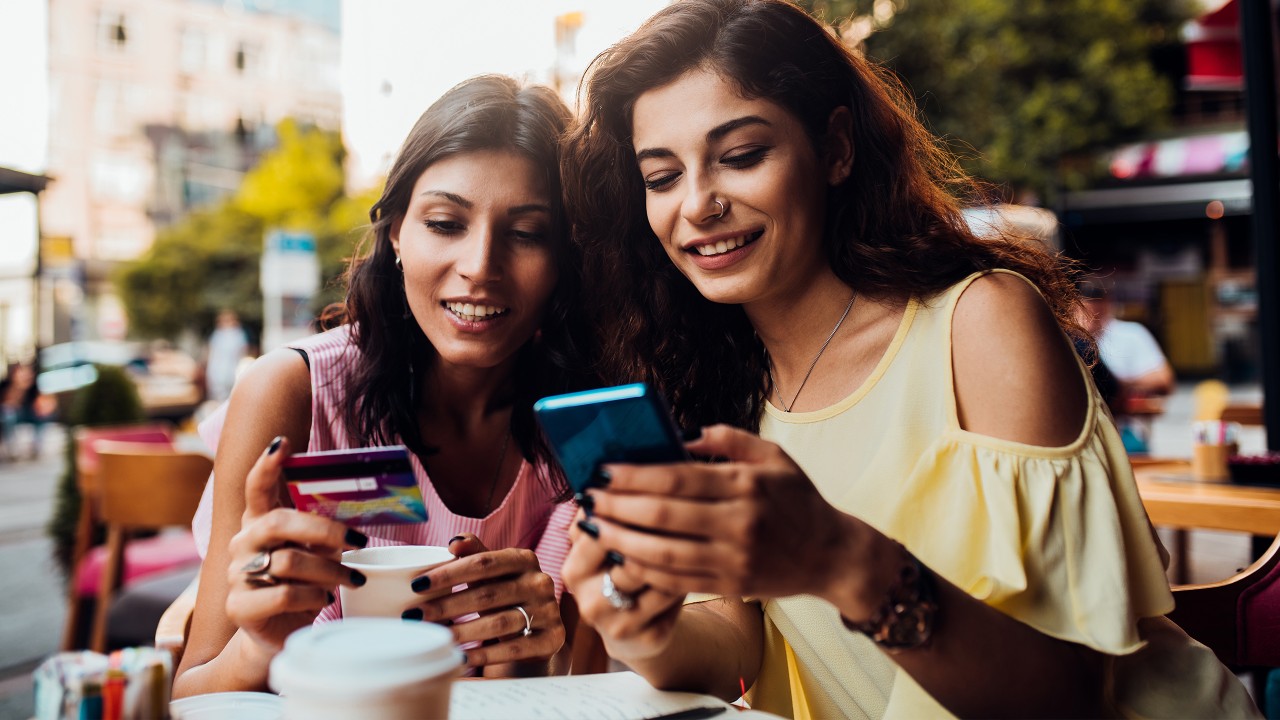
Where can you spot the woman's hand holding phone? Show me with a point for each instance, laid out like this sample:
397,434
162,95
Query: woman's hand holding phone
751,526
498,581
286,565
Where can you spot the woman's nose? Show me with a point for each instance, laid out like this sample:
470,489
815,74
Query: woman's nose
480,260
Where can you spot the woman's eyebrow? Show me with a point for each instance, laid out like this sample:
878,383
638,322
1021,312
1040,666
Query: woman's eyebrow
451,197
529,208
714,134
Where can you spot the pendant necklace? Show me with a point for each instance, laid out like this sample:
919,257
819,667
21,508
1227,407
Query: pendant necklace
786,407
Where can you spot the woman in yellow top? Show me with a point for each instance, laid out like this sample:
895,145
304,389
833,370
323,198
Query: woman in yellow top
937,515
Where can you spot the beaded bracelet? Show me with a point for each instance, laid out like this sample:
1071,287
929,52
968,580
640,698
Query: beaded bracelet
905,619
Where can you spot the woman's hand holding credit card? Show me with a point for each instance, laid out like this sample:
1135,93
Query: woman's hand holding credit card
357,486
286,564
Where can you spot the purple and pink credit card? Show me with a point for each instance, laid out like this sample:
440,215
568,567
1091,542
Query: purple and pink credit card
360,486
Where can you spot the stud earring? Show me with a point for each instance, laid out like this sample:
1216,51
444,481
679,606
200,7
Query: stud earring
398,265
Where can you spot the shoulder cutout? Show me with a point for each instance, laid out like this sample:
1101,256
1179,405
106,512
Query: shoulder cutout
1016,374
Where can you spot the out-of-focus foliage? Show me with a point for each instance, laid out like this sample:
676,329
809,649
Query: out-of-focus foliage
210,259
1025,84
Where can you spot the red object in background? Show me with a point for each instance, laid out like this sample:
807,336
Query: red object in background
1214,55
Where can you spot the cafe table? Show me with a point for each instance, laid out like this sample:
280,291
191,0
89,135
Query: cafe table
1176,499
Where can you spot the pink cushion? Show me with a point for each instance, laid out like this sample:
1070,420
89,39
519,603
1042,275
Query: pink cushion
87,455
142,557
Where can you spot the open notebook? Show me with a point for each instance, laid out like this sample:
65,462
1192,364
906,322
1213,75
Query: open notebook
608,696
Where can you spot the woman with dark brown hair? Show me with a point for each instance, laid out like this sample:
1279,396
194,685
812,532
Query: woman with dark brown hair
936,515
457,316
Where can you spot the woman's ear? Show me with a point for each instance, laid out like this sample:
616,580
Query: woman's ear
395,234
838,145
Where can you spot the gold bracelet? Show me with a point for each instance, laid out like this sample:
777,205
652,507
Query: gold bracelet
905,619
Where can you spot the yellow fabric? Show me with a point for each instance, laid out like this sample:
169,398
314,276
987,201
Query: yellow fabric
1055,537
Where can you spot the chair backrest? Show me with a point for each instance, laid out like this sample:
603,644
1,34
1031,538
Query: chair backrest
148,485
88,437
1238,618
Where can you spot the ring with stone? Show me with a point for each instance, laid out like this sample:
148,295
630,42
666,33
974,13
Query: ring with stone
258,570
618,600
528,622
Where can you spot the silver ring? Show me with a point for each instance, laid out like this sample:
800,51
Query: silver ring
258,570
617,599
722,209
528,622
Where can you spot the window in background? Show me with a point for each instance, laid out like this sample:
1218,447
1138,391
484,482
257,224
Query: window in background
113,31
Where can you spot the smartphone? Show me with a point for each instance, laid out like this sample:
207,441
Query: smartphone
357,486
624,424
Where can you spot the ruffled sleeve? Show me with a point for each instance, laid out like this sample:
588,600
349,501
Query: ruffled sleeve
1054,537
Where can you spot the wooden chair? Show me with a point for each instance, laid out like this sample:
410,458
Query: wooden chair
141,487
1238,618
87,523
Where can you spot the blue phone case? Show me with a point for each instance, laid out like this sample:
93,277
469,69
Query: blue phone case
624,424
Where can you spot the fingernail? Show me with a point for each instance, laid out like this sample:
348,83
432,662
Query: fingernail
589,528
332,598
355,538
455,539
411,614
421,584
602,478
586,502
358,578
691,434
614,557
275,445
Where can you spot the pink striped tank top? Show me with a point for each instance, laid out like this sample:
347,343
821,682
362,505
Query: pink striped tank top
526,517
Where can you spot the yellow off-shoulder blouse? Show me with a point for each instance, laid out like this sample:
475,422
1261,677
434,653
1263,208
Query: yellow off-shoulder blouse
1055,537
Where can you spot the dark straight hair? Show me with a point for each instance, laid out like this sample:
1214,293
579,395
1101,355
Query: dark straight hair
893,228
484,113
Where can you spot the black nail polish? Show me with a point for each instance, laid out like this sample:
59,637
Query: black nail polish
455,539
358,578
589,528
601,478
420,585
586,502
613,557
355,538
691,434
275,445
411,614
332,598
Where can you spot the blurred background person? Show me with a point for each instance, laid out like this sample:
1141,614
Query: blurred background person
22,404
228,345
1130,357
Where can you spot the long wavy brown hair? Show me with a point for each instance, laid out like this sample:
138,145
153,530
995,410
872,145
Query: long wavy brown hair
893,228
484,113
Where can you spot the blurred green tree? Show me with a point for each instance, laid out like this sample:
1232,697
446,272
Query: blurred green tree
210,259
1018,88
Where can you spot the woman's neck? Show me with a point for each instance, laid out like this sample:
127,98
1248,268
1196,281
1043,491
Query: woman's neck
794,326
463,400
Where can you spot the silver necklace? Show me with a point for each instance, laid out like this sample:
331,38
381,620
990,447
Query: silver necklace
786,407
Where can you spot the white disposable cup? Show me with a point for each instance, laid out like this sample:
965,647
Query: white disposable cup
389,572
368,668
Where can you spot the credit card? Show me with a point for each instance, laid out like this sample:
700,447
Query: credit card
359,486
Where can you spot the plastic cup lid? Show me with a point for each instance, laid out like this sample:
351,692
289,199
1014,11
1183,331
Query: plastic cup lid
363,655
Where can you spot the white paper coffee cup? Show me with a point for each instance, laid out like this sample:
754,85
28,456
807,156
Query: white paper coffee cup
389,572
369,668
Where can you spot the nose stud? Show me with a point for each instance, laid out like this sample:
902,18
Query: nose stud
722,209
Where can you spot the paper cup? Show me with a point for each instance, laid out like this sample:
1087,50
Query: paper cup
368,668
390,570
1209,462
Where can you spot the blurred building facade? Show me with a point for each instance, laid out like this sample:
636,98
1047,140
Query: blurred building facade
24,133
156,108
1169,225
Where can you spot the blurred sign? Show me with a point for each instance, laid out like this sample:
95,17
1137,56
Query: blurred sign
290,276
289,264
56,250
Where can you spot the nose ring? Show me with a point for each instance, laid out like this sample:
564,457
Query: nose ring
722,209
